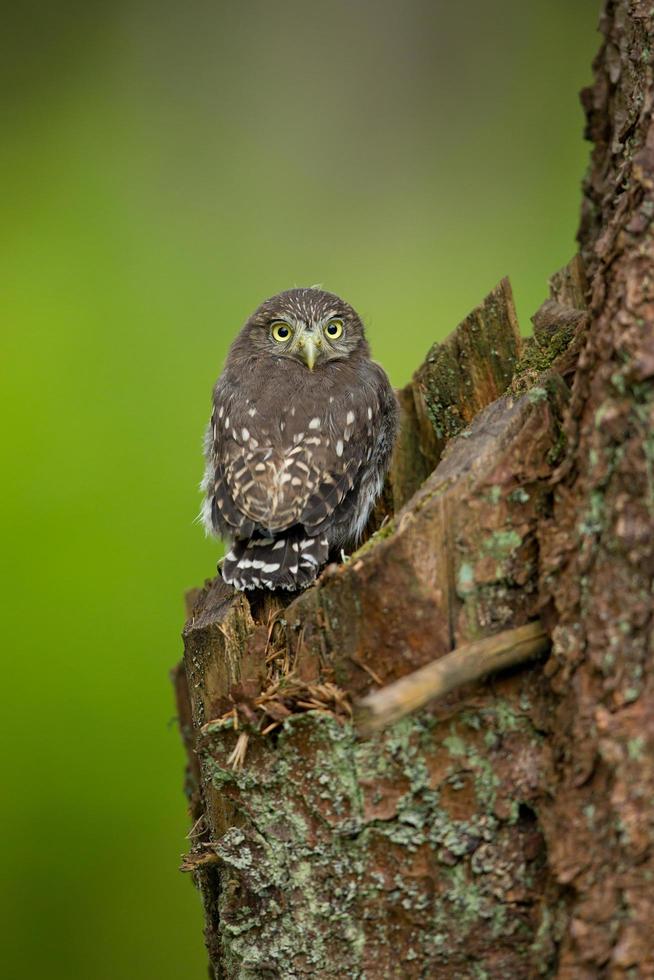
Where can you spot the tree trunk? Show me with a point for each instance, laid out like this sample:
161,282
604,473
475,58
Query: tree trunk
503,830
597,554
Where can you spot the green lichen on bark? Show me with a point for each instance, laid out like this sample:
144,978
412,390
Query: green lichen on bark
420,849
333,829
508,835
384,532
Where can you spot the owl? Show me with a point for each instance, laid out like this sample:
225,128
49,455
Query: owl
299,441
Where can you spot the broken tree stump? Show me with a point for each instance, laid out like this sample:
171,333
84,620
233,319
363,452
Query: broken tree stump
416,852
503,831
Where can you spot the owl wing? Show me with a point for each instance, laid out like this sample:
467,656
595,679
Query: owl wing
296,468
365,424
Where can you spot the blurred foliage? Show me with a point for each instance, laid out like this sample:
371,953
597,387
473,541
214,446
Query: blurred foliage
163,169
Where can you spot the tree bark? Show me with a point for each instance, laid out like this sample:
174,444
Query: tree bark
503,830
598,560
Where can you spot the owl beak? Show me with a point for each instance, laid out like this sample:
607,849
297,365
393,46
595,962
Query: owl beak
309,350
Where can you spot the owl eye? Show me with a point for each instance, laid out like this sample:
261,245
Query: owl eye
334,329
280,332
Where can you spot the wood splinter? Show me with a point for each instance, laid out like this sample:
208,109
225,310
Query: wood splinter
466,664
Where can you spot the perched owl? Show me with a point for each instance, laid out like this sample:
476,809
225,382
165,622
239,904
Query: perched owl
299,442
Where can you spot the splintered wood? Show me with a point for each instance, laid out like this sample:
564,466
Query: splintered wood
430,823
459,377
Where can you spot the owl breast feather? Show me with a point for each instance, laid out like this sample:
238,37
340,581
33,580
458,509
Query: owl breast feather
307,471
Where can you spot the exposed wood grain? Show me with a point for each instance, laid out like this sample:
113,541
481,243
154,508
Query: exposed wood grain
460,376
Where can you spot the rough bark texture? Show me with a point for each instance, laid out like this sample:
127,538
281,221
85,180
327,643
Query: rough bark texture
506,830
419,850
598,554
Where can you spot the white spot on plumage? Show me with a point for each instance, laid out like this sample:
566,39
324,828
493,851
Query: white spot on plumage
220,411
286,485
227,422
298,437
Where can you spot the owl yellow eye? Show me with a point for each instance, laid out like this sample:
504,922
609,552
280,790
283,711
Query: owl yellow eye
280,332
334,329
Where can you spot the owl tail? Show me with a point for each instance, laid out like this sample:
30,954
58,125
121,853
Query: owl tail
291,561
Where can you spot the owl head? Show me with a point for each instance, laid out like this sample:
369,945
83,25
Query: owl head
309,326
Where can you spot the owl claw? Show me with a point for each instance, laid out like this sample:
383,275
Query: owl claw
345,558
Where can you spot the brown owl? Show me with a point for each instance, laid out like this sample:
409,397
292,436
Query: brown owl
299,442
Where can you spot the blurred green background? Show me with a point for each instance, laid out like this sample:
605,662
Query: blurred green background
164,168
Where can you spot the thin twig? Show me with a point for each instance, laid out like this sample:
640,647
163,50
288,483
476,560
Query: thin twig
369,671
237,757
465,664
192,832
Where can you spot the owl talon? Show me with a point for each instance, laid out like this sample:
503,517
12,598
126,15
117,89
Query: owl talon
346,559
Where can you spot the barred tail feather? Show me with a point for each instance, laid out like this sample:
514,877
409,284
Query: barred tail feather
291,560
